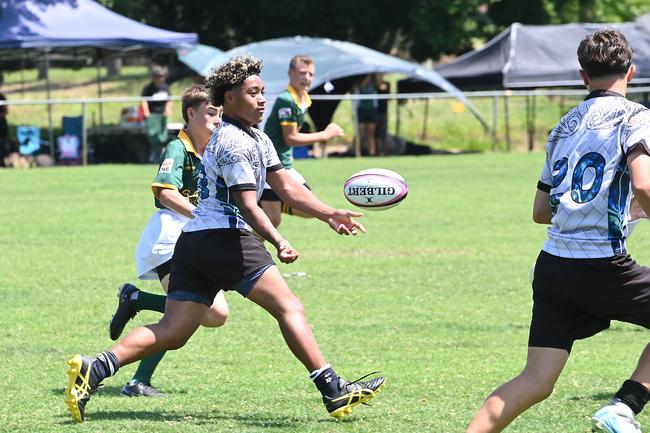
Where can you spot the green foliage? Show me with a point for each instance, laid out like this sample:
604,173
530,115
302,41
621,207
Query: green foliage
436,295
419,29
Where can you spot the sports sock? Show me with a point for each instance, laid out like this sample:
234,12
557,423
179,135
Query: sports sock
633,394
287,209
326,380
147,366
105,365
149,301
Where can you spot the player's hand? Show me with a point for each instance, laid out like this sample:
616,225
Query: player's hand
286,253
342,223
333,130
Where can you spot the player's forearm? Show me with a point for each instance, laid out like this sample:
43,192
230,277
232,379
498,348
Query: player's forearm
304,139
260,223
300,198
172,199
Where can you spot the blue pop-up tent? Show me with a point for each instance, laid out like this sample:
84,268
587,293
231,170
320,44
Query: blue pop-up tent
78,23
54,25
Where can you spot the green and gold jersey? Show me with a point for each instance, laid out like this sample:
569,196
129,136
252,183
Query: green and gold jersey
286,110
179,169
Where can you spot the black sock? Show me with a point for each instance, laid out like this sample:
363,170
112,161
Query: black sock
633,394
327,382
105,365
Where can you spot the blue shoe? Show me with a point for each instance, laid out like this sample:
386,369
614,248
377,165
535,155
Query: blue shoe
615,417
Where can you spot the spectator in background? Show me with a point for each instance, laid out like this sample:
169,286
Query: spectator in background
4,131
156,112
381,133
367,113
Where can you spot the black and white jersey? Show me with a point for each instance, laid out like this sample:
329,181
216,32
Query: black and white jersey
235,158
587,176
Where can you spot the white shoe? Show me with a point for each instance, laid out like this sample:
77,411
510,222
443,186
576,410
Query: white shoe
615,417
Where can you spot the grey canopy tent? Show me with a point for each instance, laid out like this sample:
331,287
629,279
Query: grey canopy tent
338,63
53,25
533,56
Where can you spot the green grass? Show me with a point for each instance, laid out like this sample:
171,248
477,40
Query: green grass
436,296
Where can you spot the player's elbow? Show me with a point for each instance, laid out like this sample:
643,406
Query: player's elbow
542,216
641,187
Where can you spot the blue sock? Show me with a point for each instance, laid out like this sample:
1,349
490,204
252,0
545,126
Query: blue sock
326,380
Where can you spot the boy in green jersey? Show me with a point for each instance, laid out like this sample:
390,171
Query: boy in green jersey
175,193
283,127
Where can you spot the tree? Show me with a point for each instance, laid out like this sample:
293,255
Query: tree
419,29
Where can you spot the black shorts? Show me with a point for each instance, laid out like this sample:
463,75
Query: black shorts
164,269
577,298
367,115
207,261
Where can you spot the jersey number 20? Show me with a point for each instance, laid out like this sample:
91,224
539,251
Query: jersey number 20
578,193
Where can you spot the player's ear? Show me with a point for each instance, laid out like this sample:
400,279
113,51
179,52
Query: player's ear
585,77
631,72
227,96
190,112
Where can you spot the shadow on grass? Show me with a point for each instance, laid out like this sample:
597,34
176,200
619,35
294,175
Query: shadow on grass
255,419
114,391
599,396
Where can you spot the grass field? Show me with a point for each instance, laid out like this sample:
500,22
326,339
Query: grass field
436,296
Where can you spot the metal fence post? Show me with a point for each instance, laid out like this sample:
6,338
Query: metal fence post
84,135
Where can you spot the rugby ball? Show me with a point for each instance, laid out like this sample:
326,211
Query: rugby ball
375,189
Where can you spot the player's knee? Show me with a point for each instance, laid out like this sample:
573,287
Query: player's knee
216,317
294,307
176,341
171,337
539,387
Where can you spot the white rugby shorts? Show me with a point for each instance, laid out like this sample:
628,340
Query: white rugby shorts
157,242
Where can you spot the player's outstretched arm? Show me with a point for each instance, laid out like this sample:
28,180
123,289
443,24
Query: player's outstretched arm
246,201
293,137
298,197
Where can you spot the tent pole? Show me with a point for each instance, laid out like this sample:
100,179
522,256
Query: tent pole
530,121
397,119
495,113
49,106
506,116
22,76
423,136
99,85
355,124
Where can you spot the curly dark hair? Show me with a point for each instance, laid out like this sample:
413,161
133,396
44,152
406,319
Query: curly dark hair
231,74
605,52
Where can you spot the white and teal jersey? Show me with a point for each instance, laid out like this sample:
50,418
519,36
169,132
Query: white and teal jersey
235,159
587,176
